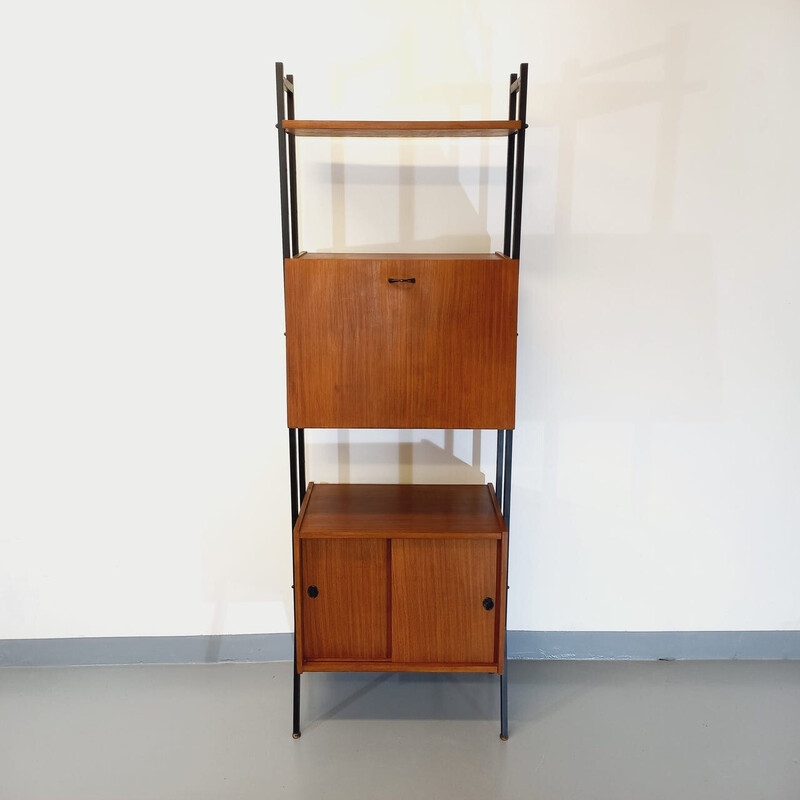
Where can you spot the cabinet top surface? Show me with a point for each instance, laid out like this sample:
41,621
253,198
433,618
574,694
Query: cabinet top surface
402,128
402,257
386,509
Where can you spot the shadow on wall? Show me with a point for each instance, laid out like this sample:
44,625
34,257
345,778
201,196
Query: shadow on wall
620,329
389,462
617,309
431,200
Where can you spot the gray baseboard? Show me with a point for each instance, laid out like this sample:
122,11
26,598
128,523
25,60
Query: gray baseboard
251,647
654,645
537,645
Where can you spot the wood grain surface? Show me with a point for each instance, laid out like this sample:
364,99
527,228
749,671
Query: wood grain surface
349,618
305,255
438,588
320,665
362,352
392,510
363,128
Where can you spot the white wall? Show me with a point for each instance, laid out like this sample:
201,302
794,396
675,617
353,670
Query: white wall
143,449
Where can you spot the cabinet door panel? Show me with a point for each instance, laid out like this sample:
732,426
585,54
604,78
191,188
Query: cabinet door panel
438,589
461,334
349,616
362,352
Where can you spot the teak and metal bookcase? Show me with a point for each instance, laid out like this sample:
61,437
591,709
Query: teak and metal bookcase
401,577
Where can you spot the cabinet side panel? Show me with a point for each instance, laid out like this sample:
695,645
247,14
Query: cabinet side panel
438,589
502,601
349,616
298,578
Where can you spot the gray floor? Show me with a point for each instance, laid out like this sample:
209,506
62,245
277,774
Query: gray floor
578,730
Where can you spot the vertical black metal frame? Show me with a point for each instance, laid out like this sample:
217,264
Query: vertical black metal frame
515,162
282,159
297,484
505,441
512,234
287,164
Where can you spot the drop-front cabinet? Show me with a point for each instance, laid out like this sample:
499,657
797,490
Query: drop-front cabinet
400,577
393,341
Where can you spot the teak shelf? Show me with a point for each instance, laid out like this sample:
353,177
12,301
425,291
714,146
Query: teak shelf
331,127
401,577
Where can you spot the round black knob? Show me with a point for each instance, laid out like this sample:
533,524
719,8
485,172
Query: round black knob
488,603
313,591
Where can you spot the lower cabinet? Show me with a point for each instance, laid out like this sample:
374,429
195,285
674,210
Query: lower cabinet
407,584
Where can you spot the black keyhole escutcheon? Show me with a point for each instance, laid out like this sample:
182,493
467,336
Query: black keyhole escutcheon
313,591
488,603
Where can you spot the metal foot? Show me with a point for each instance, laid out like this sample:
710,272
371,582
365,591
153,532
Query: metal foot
504,738
296,735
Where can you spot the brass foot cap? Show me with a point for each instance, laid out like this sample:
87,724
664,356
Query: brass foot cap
295,736
504,738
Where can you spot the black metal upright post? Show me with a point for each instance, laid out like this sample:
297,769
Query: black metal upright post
301,464
512,234
294,490
282,160
293,474
295,236
505,440
506,507
498,483
520,159
287,165
512,114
